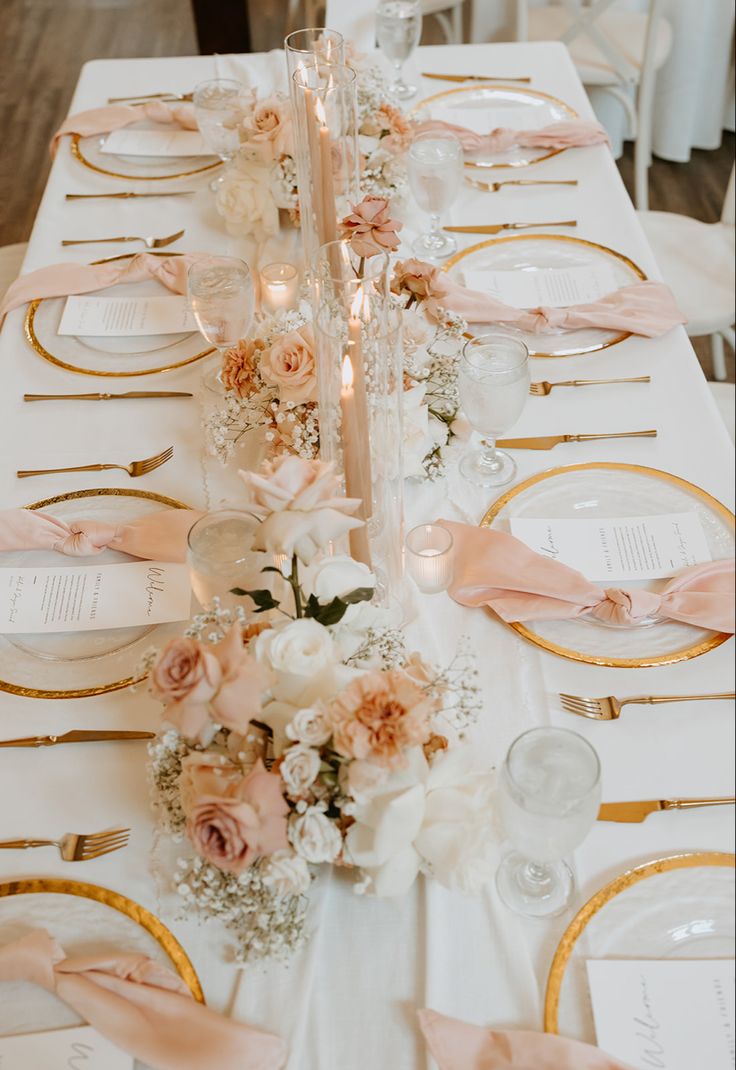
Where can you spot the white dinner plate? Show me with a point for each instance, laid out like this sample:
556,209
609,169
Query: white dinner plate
609,489
544,252
89,152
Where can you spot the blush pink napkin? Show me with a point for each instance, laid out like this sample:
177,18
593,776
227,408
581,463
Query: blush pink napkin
160,536
645,308
141,1007
496,569
116,116
60,280
573,134
459,1046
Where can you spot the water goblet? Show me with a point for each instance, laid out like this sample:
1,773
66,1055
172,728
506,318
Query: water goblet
435,175
398,29
550,789
220,556
219,106
222,298
493,385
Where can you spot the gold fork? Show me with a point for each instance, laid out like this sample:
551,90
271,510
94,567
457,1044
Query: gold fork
150,243
135,468
152,96
494,187
609,709
544,388
77,847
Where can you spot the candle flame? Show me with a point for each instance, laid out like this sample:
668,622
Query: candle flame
347,372
328,50
358,303
319,111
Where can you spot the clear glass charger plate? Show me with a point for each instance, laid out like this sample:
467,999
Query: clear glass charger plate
78,664
85,919
542,252
515,108
610,489
89,152
680,907
111,356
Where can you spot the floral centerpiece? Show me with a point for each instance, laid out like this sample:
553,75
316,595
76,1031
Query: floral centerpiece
312,737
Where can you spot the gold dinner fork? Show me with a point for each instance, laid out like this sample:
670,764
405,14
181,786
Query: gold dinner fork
152,96
609,709
77,847
544,388
494,187
135,468
150,243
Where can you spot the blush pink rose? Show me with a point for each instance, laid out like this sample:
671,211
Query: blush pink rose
270,121
417,279
243,681
290,365
185,678
370,229
205,773
248,822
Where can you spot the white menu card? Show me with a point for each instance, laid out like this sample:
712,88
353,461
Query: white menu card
554,287
79,1048
668,1015
126,317
626,548
166,142
82,598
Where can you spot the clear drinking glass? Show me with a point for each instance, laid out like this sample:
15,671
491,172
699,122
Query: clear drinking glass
398,29
435,174
550,790
220,556
493,385
219,106
222,298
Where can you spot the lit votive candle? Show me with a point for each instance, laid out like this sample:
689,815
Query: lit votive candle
279,287
429,557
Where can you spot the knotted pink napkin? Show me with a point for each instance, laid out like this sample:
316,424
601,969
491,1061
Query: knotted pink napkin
573,134
60,280
160,536
459,1046
645,308
496,569
115,116
141,1007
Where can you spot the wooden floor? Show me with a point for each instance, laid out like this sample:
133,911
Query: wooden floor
43,44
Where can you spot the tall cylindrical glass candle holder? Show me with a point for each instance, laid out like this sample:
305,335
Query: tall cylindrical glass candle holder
359,366
303,48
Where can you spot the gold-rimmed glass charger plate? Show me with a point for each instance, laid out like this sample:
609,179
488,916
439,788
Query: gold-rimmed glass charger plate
549,252
88,150
608,489
498,105
77,664
681,907
111,356
85,919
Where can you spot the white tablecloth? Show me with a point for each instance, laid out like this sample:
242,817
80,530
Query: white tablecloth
349,999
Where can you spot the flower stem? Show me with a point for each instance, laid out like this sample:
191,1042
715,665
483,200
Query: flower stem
294,582
361,267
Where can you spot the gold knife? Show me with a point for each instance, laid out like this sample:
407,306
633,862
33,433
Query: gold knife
107,397
77,736
637,811
546,442
496,227
129,193
472,77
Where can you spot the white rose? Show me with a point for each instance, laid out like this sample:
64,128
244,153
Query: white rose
311,726
286,873
422,431
361,779
303,655
417,334
334,577
299,769
314,836
245,201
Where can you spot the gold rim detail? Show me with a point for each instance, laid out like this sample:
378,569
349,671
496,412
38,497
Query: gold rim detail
596,903
713,641
79,155
148,921
564,238
74,495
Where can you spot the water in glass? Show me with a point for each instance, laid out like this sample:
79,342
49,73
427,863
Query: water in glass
398,30
435,175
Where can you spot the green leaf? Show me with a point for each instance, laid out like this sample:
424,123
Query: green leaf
272,568
332,613
264,600
239,591
360,594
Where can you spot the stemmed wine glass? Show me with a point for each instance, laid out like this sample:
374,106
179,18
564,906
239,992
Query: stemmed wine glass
222,299
550,790
493,384
435,175
219,106
398,29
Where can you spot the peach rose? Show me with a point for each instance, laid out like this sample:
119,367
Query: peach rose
417,279
240,366
378,716
290,365
249,821
185,677
238,698
370,229
205,773
271,121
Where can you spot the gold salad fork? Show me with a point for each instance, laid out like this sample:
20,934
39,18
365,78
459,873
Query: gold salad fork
135,468
544,388
77,847
609,709
150,243
494,187
152,96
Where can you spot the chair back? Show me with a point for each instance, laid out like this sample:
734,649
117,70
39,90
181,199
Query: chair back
729,204
356,19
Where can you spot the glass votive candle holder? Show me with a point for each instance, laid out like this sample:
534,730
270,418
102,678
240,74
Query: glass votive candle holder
429,557
279,287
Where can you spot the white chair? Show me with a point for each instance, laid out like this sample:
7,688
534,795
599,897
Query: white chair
314,14
11,261
618,52
697,263
351,17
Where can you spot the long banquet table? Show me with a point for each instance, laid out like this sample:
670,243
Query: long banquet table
348,999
